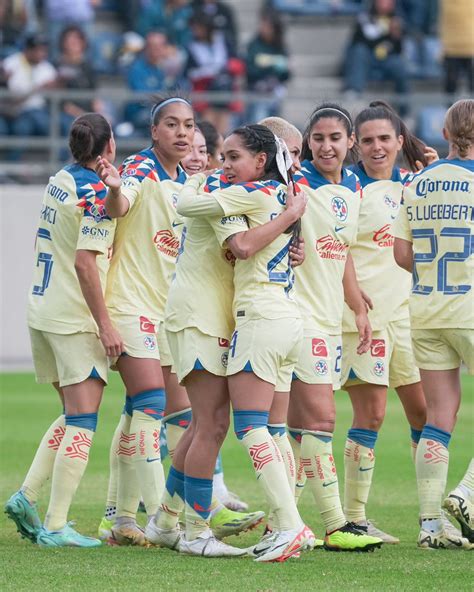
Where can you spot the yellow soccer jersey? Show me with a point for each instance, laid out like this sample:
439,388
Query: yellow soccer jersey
263,283
329,228
437,216
377,272
202,291
72,217
146,240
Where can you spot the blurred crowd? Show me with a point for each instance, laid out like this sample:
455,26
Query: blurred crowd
155,45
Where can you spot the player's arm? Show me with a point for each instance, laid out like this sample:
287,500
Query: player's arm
403,253
356,302
194,203
116,204
245,244
89,280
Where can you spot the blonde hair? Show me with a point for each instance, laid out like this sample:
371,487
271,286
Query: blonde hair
281,128
459,123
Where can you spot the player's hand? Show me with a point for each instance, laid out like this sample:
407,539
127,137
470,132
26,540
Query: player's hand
365,333
295,202
369,305
297,254
430,156
112,341
108,173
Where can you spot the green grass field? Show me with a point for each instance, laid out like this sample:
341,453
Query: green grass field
26,411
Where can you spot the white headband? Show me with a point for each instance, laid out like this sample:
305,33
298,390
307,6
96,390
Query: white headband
336,111
156,108
283,158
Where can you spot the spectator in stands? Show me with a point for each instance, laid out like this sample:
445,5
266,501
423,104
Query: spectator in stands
157,68
208,69
222,18
376,49
267,66
75,73
169,16
457,35
17,21
59,14
27,73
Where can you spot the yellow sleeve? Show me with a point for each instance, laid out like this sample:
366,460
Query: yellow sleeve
96,235
401,228
226,226
194,203
236,200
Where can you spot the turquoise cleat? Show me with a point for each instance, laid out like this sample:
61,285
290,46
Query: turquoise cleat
24,515
66,537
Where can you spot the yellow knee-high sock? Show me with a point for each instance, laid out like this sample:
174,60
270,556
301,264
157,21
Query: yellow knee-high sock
467,482
172,501
415,438
41,468
318,462
128,490
432,460
295,438
359,463
69,466
251,430
111,503
176,424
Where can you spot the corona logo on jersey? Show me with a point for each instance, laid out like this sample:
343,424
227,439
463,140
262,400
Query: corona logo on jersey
146,326
319,348
339,208
377,348
425,186
330,248
166,242
383,237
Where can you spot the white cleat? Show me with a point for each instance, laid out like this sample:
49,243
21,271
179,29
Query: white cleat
461,508
206,545
442,540
163,537
285,544
448,526
370,529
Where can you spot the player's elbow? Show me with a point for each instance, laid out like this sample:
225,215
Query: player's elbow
240,247
82,263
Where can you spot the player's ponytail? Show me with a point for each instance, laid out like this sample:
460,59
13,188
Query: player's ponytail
413,148
459,124
88,137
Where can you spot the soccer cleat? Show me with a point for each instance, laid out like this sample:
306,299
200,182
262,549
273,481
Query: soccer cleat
66,537
461,508
127,535
442,540
226,522
448,526
370,529
105,529
24,515
207,545
233,502
350,538
163,537
284,544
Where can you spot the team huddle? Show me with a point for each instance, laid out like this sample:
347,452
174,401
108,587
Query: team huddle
253,277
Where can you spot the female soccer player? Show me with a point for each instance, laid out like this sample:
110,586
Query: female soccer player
214,142
381,135
257,163
434,242
69,348
145,250
330,227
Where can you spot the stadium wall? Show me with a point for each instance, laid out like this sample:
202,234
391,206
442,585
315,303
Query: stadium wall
20,208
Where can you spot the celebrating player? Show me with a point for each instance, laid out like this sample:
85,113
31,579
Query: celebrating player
381,135
329,227
257,163
69,348
434,242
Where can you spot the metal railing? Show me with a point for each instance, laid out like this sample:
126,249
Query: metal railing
50,146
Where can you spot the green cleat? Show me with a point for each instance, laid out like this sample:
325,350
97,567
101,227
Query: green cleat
24,515
226,522
349,538
105,529
66,537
